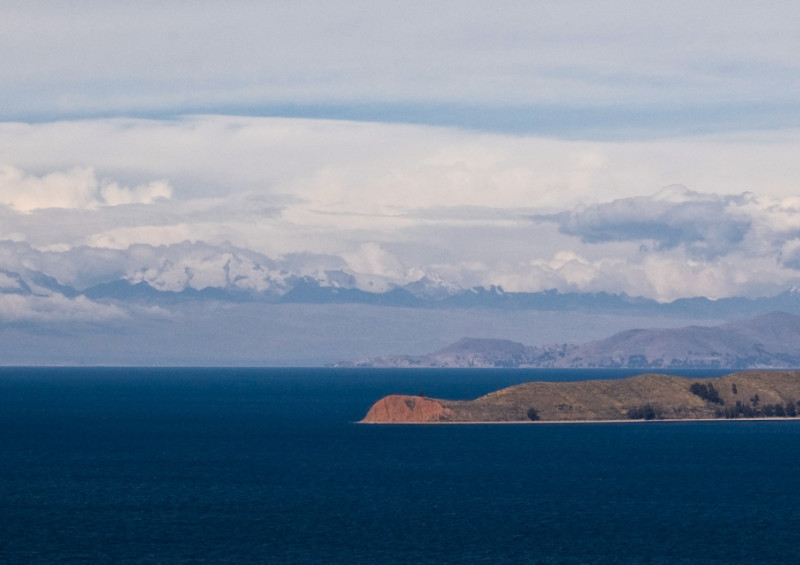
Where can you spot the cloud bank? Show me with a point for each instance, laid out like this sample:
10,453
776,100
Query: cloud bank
216,201
608,62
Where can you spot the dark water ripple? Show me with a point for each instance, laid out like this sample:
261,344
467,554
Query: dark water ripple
265,466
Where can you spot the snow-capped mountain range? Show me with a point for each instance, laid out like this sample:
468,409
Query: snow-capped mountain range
196,303
233,277
95,280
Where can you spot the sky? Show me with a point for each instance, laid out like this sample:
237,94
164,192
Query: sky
648,148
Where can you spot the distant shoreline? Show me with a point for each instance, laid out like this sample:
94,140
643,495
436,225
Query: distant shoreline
540,422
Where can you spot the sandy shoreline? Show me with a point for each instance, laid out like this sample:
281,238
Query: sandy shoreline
540,422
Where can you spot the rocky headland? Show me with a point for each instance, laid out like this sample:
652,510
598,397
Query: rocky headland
749,394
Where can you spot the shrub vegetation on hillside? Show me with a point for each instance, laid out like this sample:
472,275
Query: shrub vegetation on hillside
707,392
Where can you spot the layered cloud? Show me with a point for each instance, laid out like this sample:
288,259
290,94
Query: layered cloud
706,225
603,62
15,308
253,202
683,242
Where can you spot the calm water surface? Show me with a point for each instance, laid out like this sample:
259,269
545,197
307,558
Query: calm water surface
266,466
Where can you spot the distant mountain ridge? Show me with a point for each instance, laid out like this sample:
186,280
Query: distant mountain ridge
308,290
338,287
768,341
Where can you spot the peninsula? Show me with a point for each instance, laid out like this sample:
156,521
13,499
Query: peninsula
749,394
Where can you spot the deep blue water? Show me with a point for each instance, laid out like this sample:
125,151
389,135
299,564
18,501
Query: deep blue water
266,466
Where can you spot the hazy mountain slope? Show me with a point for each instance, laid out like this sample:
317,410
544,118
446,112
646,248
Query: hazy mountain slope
771,340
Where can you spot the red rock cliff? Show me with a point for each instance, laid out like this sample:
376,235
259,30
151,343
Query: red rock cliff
398,409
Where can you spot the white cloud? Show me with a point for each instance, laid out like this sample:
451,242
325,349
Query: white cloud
375,268
123,238
71,189
55,308
704,224
383,202
75,188
113,194
122,57
358,168
693,243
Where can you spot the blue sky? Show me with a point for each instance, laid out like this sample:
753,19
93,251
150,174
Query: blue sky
646,148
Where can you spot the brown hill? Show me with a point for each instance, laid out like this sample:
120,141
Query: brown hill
650,396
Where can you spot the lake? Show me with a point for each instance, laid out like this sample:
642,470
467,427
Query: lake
149,465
